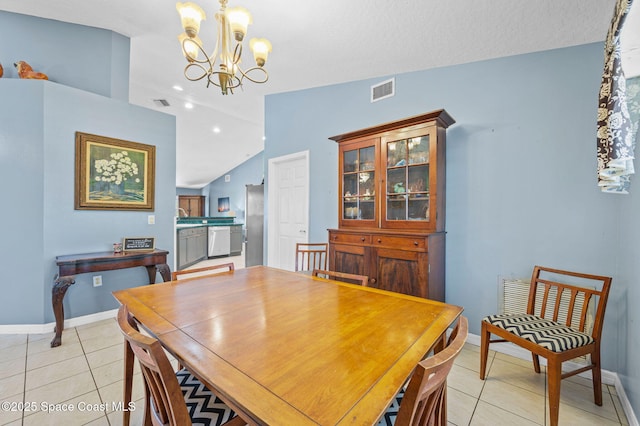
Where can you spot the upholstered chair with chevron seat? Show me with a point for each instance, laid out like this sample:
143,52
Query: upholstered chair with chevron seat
564,318
175,399
424,399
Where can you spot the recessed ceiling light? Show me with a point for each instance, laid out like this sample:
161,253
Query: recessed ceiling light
264,138
216,130
188,105
178,88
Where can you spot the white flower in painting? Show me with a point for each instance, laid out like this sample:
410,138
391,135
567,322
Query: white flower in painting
117,169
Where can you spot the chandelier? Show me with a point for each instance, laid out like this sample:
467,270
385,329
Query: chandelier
222,68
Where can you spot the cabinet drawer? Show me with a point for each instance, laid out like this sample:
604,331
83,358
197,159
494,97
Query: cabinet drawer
189,232
401,243
350,238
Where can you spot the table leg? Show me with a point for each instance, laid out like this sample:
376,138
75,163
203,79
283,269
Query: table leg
161,268
60,286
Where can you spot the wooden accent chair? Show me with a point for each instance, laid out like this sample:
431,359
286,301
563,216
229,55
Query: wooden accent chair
554,327
341,276
424,401
310,256
199,271
175,399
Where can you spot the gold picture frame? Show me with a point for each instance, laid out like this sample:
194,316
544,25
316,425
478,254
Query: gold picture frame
113,174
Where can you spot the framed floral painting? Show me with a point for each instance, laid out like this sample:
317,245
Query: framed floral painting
113,174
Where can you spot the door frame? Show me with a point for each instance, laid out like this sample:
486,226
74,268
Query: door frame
273,234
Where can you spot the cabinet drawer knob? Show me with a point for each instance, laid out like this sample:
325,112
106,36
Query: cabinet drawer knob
379,240
415,243
361,238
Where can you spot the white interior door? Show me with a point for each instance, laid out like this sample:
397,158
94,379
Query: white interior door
288,208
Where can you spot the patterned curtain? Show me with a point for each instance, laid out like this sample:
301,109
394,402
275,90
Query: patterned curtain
633,102
615,139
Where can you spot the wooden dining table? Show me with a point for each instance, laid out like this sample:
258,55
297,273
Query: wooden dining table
284,348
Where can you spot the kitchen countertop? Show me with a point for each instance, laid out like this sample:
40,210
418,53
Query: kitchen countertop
192,222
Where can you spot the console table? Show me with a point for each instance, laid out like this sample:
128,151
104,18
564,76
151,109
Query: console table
72,264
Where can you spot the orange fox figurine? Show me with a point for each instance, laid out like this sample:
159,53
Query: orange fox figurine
25,71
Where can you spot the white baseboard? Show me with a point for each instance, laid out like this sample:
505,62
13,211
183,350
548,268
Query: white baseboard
608,377
48,328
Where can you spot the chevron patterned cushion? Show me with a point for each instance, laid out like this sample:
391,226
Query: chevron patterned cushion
205,408
549,334
389,417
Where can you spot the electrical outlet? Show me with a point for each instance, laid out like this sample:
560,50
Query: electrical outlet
151,219
97,280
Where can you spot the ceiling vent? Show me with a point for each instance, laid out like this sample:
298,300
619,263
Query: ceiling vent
161,102
383,90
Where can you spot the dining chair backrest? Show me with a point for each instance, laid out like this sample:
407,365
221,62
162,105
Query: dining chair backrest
310,256
424,401
203,271
168,405
342,276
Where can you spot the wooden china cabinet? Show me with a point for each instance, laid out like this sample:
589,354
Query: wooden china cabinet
391,189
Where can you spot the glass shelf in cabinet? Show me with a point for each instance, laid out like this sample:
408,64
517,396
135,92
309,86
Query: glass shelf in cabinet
420,196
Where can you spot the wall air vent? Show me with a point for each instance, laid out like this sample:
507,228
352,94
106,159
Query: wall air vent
383,90
513,298
161,102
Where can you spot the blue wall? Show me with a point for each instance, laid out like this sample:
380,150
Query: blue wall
625,223
38,121
189,191
521,170
250,172
90,59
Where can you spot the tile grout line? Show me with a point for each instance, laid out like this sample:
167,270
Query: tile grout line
520,388
25,380
484,383
92,375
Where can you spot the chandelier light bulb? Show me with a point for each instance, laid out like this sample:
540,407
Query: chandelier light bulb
239,19
260,48
191,15
190,46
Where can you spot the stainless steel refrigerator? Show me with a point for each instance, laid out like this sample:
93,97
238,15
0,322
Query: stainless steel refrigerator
254,225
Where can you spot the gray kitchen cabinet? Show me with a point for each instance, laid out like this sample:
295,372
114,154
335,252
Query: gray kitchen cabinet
192,246
236,239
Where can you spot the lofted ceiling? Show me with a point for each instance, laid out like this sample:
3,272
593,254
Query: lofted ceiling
316,43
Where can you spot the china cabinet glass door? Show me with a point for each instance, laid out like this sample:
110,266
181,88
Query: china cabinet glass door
358,184
407,195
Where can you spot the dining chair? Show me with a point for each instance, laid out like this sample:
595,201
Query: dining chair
174,399
555,327
341,276
424,399
201,271
310,256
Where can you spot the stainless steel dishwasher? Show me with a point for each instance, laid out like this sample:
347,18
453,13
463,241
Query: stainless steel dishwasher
219,241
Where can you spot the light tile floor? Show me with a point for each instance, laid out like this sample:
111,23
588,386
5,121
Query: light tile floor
85,374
